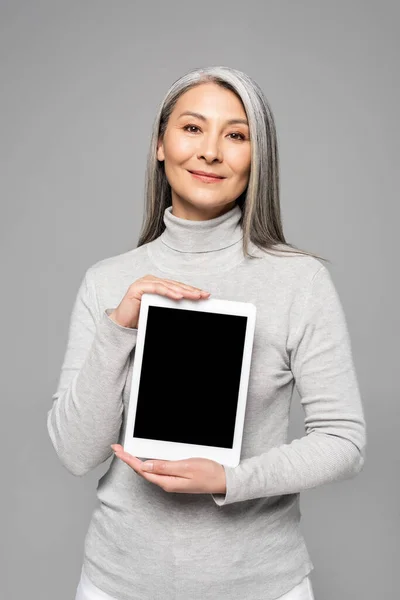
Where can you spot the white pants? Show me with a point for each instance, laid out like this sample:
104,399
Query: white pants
88,591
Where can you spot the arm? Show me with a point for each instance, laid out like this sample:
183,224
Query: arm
333,448
86,414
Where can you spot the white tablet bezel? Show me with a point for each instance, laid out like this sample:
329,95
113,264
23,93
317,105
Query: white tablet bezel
144,448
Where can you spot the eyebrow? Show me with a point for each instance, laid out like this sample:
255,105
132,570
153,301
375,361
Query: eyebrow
203,118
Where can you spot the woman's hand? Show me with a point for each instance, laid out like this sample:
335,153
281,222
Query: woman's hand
188,476
127,312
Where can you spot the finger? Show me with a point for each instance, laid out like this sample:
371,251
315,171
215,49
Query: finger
169,483
165,481
173,282
178,468
158,287
130,460
183,285
165,290
189,293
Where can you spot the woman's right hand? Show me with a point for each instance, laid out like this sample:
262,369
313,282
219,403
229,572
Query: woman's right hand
127,312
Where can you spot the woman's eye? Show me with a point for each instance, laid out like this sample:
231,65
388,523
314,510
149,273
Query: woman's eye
241,135
236,133
187,127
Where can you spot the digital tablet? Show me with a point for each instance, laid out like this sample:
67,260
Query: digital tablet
190,379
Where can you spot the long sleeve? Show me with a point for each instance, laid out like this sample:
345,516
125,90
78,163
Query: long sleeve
333,448
86,414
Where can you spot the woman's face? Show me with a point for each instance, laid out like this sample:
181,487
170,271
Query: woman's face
206,142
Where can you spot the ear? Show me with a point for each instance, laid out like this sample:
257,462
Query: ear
160,150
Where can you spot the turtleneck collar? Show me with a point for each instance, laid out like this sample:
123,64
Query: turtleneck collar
186,235
187,245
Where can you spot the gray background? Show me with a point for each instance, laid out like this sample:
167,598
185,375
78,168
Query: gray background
80,85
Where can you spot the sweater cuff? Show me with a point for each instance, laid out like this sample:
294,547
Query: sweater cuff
230,495
116,333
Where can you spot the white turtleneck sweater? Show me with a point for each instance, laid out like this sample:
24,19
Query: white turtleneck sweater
145,543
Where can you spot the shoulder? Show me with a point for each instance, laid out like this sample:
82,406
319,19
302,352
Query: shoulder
293,269
118,265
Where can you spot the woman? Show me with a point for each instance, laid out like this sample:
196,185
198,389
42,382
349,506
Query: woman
196,529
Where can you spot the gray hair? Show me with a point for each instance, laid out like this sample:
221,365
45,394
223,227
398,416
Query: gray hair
260,202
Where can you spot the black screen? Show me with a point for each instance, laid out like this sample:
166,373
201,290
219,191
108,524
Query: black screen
190,376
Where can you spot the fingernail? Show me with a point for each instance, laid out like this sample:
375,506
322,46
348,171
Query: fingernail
147,466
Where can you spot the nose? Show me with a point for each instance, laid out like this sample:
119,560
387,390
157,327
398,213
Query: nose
210,148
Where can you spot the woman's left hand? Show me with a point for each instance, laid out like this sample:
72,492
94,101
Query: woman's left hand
189,476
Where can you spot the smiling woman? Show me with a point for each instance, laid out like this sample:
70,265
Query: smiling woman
211,142
196,529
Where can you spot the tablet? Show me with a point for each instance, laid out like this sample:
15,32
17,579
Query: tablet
190,379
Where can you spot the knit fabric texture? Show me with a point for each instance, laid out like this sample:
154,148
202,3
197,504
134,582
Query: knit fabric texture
145,543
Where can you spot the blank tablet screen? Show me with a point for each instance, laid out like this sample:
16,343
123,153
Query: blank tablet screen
190,376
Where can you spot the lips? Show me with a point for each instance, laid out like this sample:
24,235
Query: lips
206,176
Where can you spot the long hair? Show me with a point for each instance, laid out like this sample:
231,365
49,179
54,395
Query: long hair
260,202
